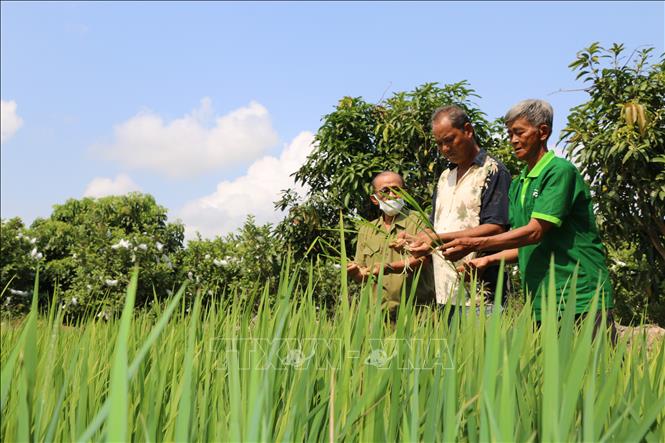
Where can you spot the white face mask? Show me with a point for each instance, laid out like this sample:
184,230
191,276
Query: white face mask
391,207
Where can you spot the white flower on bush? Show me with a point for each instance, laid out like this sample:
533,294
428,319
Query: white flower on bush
89,287
143,247
219,263
110,282
122,243
17,292
190,275
36,254
159,246
207,257
19,236
75,301
33,240
167,260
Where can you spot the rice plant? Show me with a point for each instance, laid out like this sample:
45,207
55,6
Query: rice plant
264,366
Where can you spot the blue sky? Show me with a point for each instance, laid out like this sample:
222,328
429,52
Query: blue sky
209,106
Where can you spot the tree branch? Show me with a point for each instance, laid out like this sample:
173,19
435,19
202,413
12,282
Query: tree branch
569,90
657,243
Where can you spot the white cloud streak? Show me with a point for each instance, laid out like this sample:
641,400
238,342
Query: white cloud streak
102,187
188,146
10,122
254,193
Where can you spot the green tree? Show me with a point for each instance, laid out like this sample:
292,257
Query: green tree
19,258
617,138
240,262
359,139
90,246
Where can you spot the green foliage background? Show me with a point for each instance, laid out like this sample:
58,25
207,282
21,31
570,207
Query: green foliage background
616,137
359,139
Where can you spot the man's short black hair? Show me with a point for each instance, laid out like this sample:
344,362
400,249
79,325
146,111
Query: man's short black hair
455,114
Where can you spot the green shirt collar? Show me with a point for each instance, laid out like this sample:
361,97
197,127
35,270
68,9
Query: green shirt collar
535,172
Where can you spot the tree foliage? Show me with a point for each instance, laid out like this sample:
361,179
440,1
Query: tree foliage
238,263
89,246
19,259
617,138
360,139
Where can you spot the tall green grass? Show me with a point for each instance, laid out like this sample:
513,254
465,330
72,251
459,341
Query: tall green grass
278,369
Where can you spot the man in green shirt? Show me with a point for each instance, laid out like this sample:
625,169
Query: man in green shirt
551,215
373,251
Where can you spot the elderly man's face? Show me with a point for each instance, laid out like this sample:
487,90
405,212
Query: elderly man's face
526,138
387,187
453,143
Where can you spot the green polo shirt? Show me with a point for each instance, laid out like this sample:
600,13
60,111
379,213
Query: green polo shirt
555,191
373,247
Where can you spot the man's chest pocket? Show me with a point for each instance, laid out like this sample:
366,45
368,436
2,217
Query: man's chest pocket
371,252
530,197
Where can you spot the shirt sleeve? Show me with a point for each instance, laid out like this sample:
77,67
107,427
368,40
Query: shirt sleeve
360,245
494,199
555,195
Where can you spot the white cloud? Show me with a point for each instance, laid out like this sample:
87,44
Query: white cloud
188,145
10,122
254,193
101,186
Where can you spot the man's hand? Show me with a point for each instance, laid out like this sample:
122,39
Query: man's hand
460,247
403,242
418,245
376,269
475,266
356,272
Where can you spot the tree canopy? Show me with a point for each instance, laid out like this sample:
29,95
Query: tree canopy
360,139
617,139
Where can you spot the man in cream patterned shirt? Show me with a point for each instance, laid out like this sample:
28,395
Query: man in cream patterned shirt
470,200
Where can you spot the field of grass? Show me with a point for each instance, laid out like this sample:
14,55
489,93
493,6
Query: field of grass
273,367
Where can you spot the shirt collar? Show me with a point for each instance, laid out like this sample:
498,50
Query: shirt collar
538,168
479,160
400,219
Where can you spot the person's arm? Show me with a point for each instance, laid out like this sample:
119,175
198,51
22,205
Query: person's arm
493,215
356,272
425,241
550,209
481,263
397,267
485,230
526,235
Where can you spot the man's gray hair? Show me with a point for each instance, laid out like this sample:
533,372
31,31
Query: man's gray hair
536,112
384,174
456,115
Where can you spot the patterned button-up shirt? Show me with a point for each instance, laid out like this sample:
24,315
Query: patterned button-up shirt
479,197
